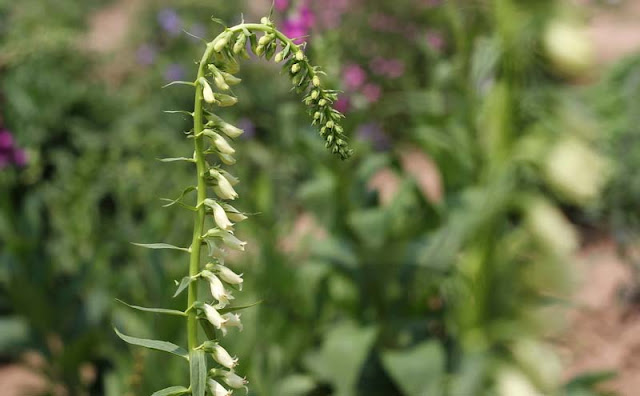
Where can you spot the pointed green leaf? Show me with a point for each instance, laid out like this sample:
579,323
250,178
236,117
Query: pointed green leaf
238,308
183,284
155,310
419,370
160,246
179,199
198,370
191,83
163,346
172,391
190,114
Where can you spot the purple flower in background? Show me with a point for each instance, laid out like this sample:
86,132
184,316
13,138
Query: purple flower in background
353,76
170,21
372,132
392,68
248,127
146,54
174,72
281,5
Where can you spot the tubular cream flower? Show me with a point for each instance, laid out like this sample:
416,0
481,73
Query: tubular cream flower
227,159
219,214
213,316
222,356
233,213
551,227
230,130
218,290
224,189
216,389
231,320
234,380
231,178
227,275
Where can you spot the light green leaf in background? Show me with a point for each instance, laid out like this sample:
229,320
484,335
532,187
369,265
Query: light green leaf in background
340,359
418,371
163,346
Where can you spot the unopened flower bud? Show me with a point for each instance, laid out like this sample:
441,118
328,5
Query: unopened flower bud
216,389
239,44
316,81
299,55
295,68
260,50
221,41
322,102
231,178
314,94
228,275
222,356
279,57
222,145
227,159
207,92
265,20
317,115
220,82
330,124
230,78
266,39
224,100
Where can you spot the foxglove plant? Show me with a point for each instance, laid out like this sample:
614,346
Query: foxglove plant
214,217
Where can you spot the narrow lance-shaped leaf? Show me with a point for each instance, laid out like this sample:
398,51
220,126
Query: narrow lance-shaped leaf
179,199
238,308
175,159
172,391
163,346
160,246
154,310
198,370
184,283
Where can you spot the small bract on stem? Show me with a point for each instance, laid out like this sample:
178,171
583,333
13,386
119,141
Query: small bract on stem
213,137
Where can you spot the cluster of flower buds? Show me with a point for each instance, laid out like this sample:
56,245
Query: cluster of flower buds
304,77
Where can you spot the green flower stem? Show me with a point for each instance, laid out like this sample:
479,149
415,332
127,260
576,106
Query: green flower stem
194,261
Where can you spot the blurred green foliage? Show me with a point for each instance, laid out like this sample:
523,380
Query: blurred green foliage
436,279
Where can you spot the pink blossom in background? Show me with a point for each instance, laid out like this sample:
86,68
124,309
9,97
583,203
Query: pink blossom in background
9,153
435,40
353,76
299,24
330,12
6,140
281,5
20,157
392,68
372,92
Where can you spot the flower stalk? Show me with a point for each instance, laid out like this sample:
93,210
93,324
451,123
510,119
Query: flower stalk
214,218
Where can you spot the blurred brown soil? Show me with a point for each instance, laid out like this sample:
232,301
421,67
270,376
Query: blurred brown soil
603,331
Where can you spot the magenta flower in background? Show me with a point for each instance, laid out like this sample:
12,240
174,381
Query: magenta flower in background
299,24
435,40
343,104
353,76
392,68
6,140
281,5
9,153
